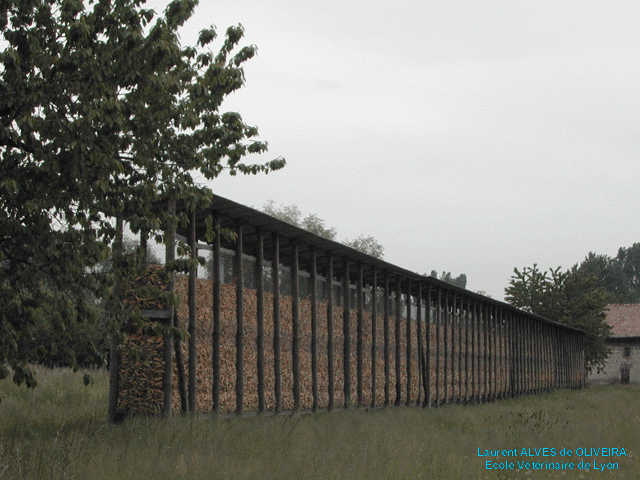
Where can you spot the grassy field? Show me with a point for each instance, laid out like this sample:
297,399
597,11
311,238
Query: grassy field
59,431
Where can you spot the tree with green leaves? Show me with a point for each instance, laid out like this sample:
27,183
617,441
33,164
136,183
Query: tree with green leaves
571,297
366,244
618,276
459,281
292,214
103,114
314,224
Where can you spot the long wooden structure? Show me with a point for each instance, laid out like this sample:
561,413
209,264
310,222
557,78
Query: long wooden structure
348,329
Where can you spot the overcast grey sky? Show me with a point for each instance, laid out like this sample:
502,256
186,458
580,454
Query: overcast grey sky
468,136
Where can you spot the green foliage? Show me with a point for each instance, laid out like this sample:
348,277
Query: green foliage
59,431
366,244
572,297
459,281
102,113
292,214
618,276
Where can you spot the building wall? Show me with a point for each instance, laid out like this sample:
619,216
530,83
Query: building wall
617,361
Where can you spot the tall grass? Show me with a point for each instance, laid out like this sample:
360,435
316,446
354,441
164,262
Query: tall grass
59,431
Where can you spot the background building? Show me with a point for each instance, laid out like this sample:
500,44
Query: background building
623,364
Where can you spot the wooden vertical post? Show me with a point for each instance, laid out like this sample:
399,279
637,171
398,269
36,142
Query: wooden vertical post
114,346
492,352
144,237
420,346
170,256
398,345
438,348
387,340
295,324
277,368
427,353
346,328
239,323
521,357
539,372
511,356
374,342
446,348
485,345
260,318
502,375
408,303
215,339
314,327
473,350
467,350
460,372
360,332
330,360
193,353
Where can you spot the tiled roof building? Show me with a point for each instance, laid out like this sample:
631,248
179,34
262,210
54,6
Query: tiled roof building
623,363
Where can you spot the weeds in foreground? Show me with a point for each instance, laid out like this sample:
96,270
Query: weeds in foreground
59,431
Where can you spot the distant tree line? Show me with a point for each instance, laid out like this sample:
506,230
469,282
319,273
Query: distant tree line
578,296
314,224
459,281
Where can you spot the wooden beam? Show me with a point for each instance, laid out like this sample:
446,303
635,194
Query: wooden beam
167,383
277,368
330,353
398,344
314,327
346,327
447,351
387,341
360,332
114,344
427,353
216,307
374,342
438,346
295,325
192,327
420,346
408,306
260,318
239,322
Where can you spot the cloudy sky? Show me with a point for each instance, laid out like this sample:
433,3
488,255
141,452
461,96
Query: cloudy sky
466,136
